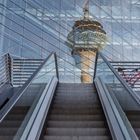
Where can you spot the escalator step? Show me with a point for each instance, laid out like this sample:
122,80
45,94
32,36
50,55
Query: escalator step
77,138
76,124
8,131
76,114
76,117
76,111
76,131
72,106
6,137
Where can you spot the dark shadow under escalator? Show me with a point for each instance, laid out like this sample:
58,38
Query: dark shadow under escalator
134,118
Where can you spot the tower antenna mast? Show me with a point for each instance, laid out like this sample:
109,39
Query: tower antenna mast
86,9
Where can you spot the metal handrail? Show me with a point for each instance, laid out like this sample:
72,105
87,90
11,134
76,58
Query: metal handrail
124,62
118,122
122,81
31,131
5,110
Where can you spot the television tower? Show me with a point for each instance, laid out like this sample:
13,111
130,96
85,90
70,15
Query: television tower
86,38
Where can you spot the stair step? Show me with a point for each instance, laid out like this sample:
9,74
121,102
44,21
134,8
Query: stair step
76,111
134,117
76,117
76,131
55,103
76,96
76,124
76,114
137,130
75,91
6,137
75,99
77,138
69,107
10,123
15,117
18,111
135,124
86,102
83,92
135,112
76,86
8,131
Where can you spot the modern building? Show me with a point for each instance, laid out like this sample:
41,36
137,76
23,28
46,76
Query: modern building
41,93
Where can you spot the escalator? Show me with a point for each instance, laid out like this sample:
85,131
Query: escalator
22,101
126,100
76,114
45,109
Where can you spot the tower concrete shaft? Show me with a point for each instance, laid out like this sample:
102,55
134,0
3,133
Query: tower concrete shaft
86,38
87,59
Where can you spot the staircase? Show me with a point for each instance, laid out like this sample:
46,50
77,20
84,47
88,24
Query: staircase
134,118
12,122
76,114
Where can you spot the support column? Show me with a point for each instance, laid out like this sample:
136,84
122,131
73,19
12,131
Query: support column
87,59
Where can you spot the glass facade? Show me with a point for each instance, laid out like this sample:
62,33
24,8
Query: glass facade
34,28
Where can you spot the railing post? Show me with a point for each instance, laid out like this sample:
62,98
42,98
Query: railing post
95,66
7,62
56,66
9,59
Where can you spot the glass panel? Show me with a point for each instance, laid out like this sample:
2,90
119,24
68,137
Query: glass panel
23,109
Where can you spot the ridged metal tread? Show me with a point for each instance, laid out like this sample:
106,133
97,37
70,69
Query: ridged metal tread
76,114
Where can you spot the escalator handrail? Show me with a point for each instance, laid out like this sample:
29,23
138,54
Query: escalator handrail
36,122
6,109
119,125
123,82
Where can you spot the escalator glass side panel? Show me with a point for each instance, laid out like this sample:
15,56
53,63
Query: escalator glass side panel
119,93
16,120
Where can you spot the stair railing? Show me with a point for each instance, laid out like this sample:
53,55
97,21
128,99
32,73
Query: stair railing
5,69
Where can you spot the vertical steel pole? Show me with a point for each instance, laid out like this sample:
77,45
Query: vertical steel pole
56,66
